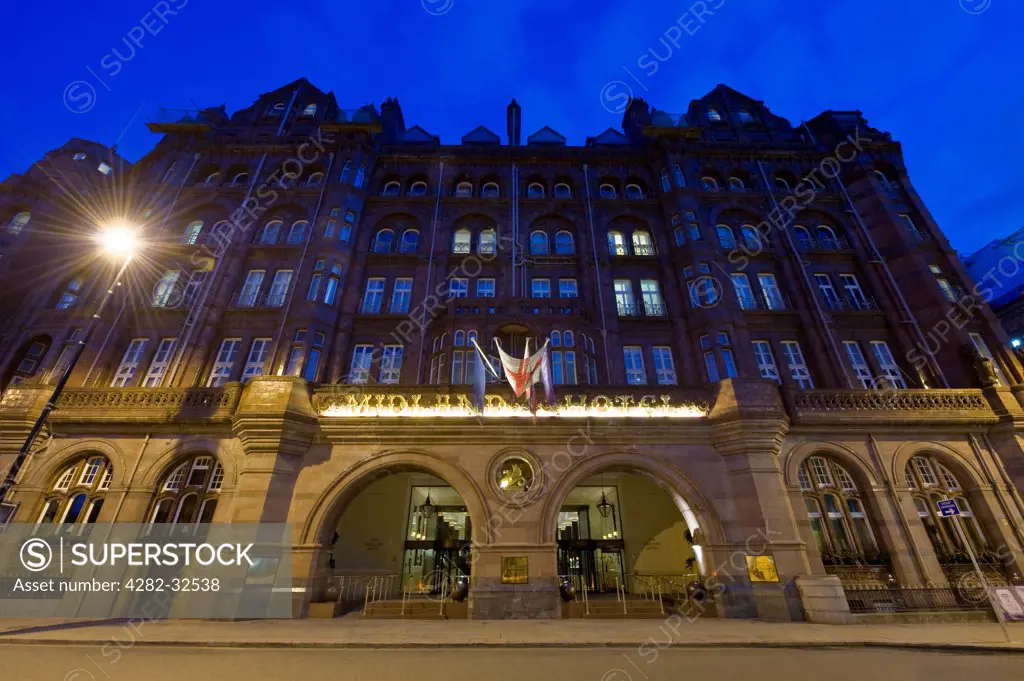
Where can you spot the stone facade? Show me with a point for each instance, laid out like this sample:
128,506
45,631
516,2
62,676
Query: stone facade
837,350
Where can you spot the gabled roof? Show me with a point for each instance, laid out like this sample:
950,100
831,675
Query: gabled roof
417,135
609,138
546,136
482,136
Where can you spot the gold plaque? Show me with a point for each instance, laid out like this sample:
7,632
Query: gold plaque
515,569
762,569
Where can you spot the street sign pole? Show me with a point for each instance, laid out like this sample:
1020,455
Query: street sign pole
981,575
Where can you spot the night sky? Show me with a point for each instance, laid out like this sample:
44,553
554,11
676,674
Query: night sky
942,75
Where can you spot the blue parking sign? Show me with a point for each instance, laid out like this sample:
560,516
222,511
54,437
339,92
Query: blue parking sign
948,507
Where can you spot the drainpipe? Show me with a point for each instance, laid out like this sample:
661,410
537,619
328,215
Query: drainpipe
597,272
807,281
430,268
302,259
106,339
131,478
515,222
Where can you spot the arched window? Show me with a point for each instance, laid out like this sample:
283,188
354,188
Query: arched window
392,188
666,183
781,184
212,180
346,172
192,232
677,174
464,189
418,189
679,236
564,243
736,184
383,241
460,338
271,232
70,293
410,242
488,243
751,237
361,177
490,191
884,180
827,237
634,192
835,509
930,482
297,232
78,492
713,115
617,243
188,494
539,243
607,191
710,184
642,243
802,237
277,109
462,241
240,180
314,180
563,191
726,239
309,111
535,191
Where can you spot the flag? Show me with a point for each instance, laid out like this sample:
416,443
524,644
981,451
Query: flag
523,373
483,368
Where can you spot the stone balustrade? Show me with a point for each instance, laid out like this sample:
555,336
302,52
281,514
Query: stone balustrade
963,406
160,405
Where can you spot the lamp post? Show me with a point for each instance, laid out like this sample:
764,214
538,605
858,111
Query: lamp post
118,240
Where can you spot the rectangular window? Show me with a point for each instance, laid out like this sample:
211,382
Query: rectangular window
362,356
279,288
390,365
296,355
908,222
650,292
887,363
567,288
947,289
251,288
333,282
485,288
798,371
828,291
257,359
374,296
624,298
314,282
858,364
770,290
540,288
633,358
164,292
766,360
401,296
458,287
130,362
457,367
854,293
725,348
330,229
313,365
158,367
744,294
224,363
979,343
664,367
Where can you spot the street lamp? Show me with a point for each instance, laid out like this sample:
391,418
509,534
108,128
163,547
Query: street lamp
119,240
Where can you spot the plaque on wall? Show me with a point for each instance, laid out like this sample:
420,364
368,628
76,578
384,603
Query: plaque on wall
762,569
515,569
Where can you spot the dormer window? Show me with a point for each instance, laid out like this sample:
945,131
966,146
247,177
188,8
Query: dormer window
563,191
464,189
309,111
79,156
277,109
391,189
535,191
607,191
418,189
714,116
104,168
746,116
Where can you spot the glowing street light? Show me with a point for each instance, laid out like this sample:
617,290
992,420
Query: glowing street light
117,239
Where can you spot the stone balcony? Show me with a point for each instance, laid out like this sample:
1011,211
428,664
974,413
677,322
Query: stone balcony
890,407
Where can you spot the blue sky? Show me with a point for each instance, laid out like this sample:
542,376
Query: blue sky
941,75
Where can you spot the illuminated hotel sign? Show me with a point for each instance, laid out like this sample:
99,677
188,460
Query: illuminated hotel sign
356,403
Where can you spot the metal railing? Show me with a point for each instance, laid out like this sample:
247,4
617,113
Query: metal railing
824,244
365,589
864,601
851,304
645,310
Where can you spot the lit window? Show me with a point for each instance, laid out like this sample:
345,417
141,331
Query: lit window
713,115
104,168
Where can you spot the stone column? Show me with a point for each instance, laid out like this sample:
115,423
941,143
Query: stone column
748,423
276,424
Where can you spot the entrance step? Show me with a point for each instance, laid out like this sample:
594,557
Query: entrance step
611,609
419,609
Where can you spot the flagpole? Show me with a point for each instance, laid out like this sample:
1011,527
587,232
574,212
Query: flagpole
483,356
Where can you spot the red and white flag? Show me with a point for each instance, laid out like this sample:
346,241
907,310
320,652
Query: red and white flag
523,373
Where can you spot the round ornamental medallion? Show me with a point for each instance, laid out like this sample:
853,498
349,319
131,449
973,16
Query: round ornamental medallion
515,478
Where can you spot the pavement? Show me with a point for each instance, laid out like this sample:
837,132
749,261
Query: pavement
355,632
